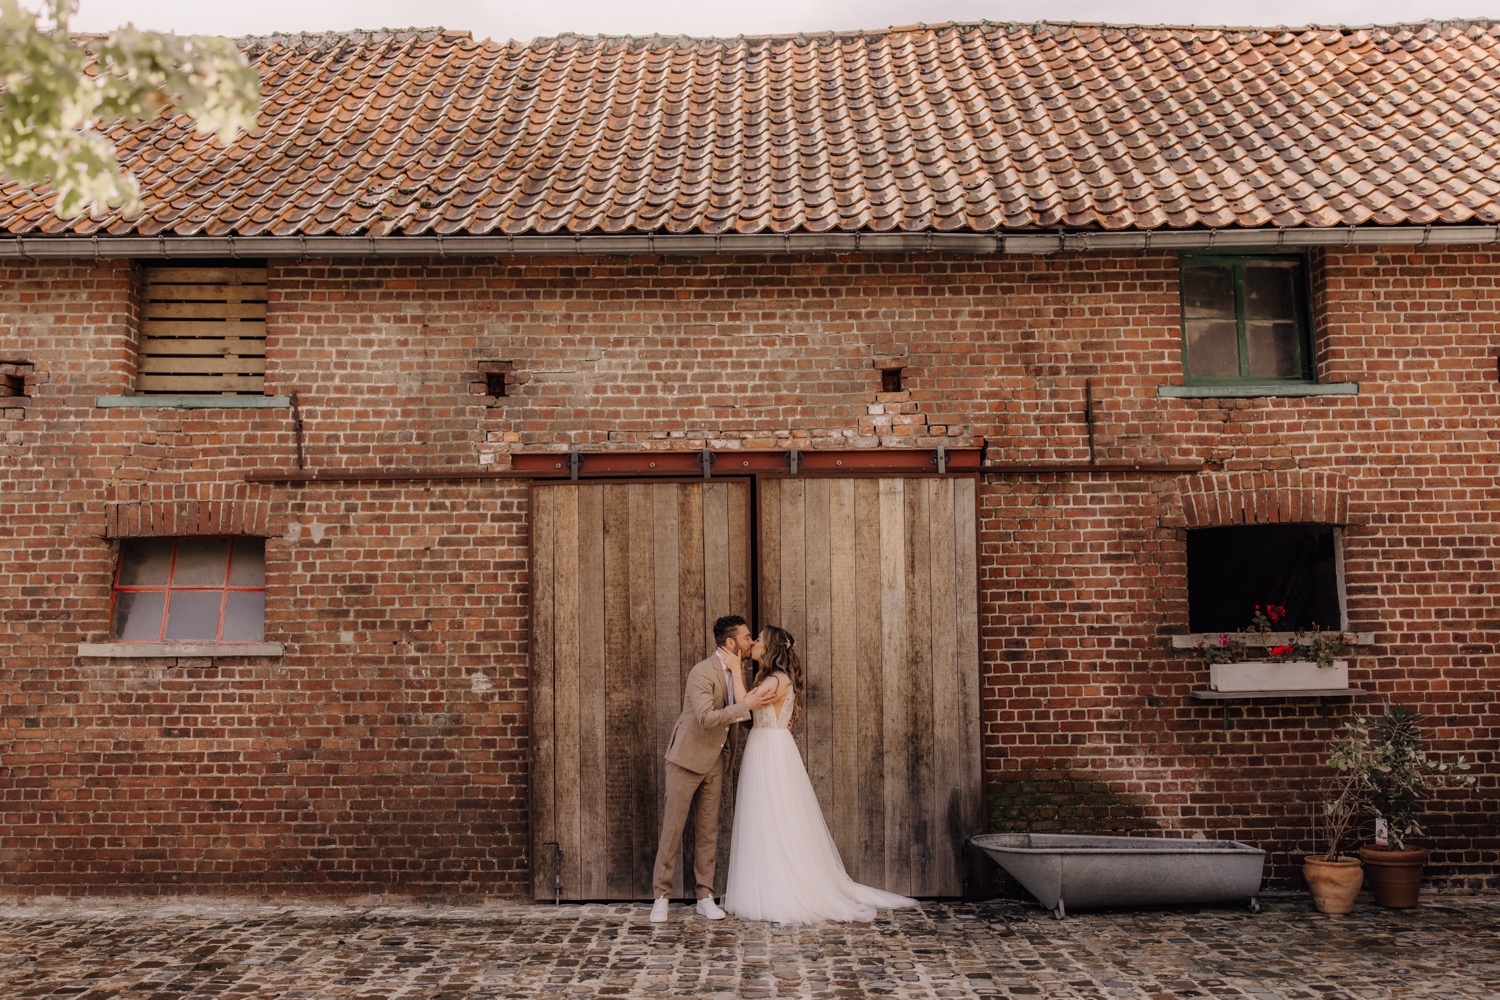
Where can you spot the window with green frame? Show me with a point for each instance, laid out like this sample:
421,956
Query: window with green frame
1245,318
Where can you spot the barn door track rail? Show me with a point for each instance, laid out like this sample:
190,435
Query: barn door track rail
707,464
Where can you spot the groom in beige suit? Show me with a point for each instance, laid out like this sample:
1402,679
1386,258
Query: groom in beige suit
696,762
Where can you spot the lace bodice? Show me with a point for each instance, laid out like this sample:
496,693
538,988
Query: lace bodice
770,718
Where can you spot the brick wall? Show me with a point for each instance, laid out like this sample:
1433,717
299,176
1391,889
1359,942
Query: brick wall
387,748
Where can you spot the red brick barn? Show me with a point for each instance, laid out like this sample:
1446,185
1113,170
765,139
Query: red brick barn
364,499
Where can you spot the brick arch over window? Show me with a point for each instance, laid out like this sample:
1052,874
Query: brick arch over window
149,518
1284,497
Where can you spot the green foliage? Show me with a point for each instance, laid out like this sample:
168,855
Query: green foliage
1385,773
55,89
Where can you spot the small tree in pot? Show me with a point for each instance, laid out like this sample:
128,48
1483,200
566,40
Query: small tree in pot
1392,777
1335,878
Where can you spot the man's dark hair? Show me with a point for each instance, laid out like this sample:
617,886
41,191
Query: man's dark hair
724,627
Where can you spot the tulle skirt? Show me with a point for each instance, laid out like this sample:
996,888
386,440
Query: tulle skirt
783,863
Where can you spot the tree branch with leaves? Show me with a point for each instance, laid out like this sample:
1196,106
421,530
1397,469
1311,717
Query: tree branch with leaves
56,89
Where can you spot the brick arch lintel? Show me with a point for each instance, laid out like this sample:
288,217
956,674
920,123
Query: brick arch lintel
1286,496
220,511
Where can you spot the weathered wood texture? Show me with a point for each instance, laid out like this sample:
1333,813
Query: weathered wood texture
877,580
203,330
628,578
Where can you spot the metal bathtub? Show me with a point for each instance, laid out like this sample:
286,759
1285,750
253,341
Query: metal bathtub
1063,870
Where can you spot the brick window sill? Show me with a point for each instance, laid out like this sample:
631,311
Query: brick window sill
1252,391
180,650
197,402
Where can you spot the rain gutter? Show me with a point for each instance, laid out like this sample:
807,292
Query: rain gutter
701,244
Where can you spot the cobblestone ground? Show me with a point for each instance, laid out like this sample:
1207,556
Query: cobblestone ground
1447,948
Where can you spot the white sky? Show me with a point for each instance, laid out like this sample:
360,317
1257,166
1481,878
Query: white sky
502,20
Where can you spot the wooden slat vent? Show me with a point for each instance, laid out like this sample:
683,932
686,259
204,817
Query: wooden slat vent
203,331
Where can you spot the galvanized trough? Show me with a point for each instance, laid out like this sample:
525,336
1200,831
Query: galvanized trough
1063,870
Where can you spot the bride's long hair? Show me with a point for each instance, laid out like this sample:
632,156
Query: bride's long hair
781,654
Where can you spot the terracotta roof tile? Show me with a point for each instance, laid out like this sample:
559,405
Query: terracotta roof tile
979,127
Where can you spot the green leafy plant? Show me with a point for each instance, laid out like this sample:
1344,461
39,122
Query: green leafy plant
1222,650
1384,772
1322,647
56,88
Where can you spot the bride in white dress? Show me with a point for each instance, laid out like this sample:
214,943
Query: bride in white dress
783,864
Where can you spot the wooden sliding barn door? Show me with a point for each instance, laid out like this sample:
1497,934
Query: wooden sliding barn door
627,579
877,580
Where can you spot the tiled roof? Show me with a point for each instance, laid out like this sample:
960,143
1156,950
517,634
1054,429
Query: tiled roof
984,127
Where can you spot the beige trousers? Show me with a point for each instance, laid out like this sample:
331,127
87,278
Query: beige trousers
700,793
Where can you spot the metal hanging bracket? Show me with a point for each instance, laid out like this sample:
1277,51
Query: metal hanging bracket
794,460
575,463
557,859
297,430
940,459
706,459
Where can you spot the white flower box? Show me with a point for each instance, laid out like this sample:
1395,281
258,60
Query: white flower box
1263,675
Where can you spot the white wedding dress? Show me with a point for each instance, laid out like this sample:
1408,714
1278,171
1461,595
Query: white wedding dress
783,864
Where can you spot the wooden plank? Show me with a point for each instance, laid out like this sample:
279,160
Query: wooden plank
591,674
166,292
768,498
543,765
918,699
644,773
845,622
947,743
694,643
196,366
896,687
176,328
203,310
715,555
246,384
868,652
192,275
966,627
565,656
666,573
619,804
739,551
224,347
815,644
739,533
793,558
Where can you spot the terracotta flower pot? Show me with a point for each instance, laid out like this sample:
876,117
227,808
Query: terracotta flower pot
1333,884
1396,876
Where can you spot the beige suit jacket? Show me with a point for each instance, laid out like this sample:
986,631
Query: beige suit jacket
703,727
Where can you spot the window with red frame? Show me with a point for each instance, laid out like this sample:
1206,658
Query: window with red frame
190,590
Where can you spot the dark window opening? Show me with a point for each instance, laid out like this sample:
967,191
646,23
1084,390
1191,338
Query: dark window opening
1245,318
494,384
190,590
890,380
13,377
1231,570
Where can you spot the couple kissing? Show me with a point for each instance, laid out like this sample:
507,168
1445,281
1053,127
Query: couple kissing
783,864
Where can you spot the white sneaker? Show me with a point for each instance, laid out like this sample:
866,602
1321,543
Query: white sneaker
709,910
659,910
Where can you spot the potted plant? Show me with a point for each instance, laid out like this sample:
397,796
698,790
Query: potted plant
1292,661
1386,761
1334,878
